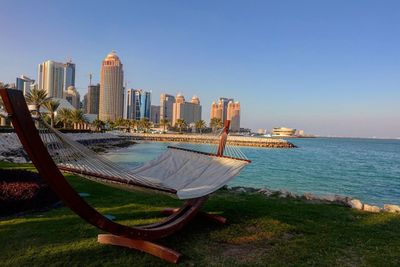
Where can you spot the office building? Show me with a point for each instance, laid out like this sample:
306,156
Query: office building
111,100
69,75
24,84
51,78
155,114
188,111
130,106
138,104
92,99
166,106
142,104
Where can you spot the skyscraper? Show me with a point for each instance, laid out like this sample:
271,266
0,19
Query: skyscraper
155,114
233,114
92,99
227,109
111,103
142,104
24,84
130,104
51,78
138,104
166,106
69,74
188,111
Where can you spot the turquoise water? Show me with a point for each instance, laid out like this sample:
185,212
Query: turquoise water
367,169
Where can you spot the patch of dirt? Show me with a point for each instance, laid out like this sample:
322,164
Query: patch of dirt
250,248
244,252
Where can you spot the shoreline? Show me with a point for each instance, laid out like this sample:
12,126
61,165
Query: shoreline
346,201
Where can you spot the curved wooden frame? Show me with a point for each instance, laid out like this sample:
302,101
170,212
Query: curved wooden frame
121,235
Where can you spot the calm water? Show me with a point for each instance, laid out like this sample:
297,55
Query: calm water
367,169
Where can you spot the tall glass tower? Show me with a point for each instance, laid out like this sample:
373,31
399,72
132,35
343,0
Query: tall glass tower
69,75
142,104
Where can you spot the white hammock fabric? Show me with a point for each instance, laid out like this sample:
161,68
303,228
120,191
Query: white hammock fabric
191,174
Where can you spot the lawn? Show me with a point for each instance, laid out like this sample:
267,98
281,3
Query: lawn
261,232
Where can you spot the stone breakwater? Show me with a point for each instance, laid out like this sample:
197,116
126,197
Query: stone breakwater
11,148
208,139
349,202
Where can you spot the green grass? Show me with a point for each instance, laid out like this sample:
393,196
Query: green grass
261,232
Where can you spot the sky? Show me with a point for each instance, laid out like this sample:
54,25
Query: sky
328,67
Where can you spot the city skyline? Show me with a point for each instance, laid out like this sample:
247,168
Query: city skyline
329,68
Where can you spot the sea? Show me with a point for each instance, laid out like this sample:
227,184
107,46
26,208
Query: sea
367,169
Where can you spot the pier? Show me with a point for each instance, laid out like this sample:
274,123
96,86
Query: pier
210,139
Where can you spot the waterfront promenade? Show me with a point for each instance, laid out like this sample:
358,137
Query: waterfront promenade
211,139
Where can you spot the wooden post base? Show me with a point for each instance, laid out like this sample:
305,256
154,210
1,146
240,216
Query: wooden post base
212,217
154,249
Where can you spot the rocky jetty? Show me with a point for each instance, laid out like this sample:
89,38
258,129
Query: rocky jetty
334,199
210,139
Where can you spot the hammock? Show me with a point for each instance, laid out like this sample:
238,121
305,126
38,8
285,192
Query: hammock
184,172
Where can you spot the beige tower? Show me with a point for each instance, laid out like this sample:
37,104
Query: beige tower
229,109
51,78
188,111
111,102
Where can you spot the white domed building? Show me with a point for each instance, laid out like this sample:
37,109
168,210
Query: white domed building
72,96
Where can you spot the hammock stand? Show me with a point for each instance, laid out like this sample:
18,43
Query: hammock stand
140,238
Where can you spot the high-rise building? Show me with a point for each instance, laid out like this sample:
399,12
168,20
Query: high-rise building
188,111
166,106
130,105
51,78
155,114
227,109
142,104
92,99
233,114
224,102
138,104
111,101
24,84
69,75
72,96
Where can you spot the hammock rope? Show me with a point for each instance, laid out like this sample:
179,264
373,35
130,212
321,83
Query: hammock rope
183,168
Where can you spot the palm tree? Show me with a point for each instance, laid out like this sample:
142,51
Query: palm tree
145,124
180,123
64,116
37,97
52,106
216,123
132,124
165,123
78,118
98,124
200,125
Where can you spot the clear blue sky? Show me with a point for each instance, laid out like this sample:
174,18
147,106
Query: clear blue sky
328,67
